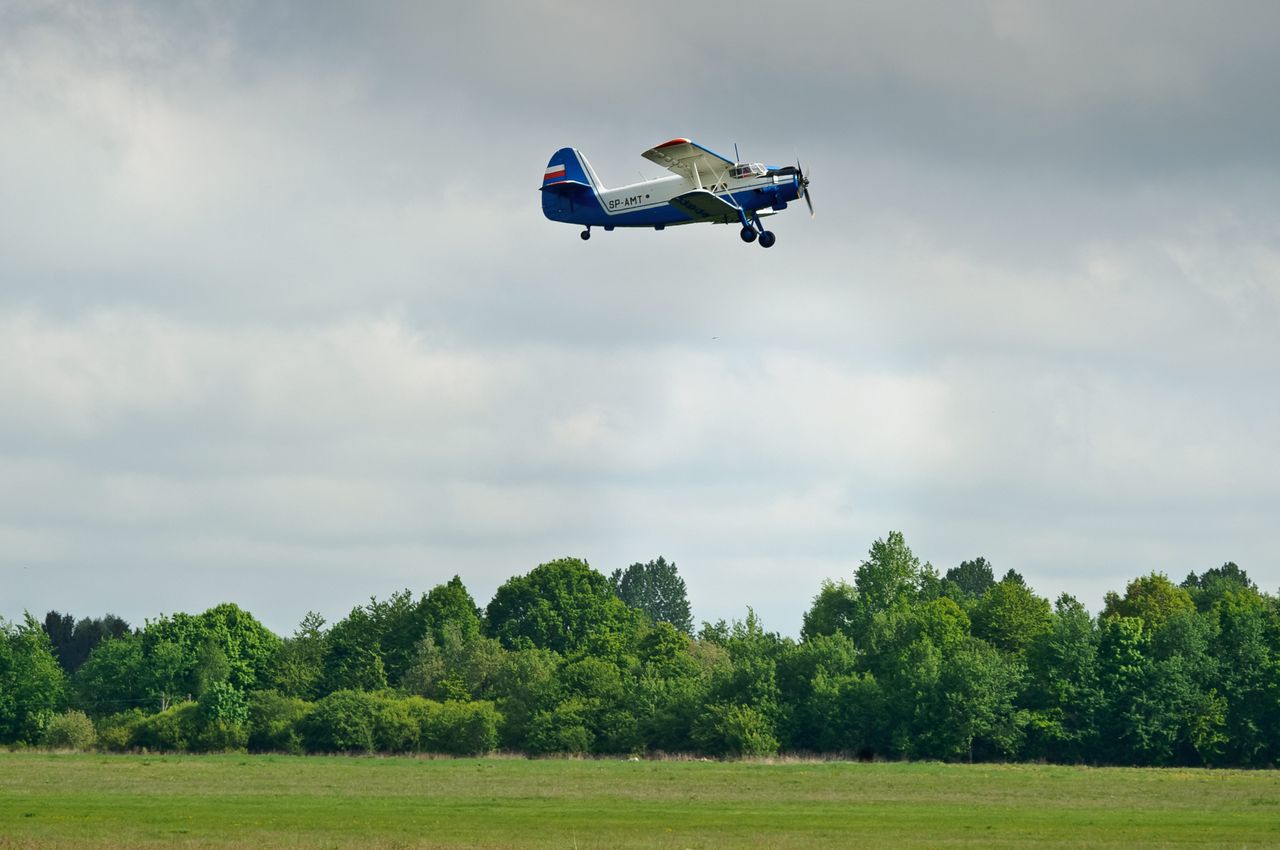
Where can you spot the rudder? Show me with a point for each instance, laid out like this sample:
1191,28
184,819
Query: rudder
570,190
567,164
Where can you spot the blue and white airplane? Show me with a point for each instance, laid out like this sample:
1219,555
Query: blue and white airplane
705,187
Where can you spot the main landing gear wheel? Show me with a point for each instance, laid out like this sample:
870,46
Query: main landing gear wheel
749,234
586,234
767,239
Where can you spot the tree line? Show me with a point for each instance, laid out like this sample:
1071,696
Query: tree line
900,662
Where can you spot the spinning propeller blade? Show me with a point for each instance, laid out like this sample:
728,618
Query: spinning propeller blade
801,178
804,187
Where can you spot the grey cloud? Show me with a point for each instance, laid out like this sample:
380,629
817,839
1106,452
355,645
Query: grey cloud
278,300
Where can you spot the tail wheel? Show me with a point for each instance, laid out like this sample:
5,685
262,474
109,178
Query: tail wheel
767,239
586,234
749,234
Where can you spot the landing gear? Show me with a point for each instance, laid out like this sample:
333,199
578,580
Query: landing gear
586,234
749,234
767,239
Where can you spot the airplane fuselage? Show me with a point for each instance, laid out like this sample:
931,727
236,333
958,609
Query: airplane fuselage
650,203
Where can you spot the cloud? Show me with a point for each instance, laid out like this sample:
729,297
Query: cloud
281,322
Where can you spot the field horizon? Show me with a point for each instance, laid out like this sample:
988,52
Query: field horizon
57,800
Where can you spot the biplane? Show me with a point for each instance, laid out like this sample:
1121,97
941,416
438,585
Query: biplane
703,187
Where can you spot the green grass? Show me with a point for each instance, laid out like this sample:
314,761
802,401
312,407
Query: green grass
100,801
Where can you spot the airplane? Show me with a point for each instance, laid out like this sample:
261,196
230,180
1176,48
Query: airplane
705,187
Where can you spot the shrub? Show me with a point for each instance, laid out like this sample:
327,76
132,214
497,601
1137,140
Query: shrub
461,728
172,730
115,731
219,736
71,730
562,730
395,729
341,722
734,730
275,722
222,719
225,703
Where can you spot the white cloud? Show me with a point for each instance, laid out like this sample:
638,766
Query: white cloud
280,321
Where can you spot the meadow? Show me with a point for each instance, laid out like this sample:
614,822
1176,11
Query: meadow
52,800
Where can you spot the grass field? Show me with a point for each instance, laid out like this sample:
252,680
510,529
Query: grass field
99,801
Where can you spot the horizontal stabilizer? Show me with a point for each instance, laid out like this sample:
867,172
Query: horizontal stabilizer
567,187
701,205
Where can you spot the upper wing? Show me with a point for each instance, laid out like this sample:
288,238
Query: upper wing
701,205
682,156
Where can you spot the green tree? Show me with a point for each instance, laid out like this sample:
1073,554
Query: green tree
972,707
1152,598
968,582
564,606
668,692
1063,693
352,666
1124,672
212,668
457,668
1010,616
600,689
114,678
388,629
73,641
298,667
32,685
751,677
449,605
1249,676
810,680
889,575
1206,589
246,644
833,612
525,686
656,589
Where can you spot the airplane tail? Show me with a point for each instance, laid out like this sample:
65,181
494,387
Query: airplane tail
570,188
569,164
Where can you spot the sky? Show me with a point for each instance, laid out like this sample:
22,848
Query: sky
282,324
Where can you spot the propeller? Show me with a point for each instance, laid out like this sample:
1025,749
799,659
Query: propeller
801,178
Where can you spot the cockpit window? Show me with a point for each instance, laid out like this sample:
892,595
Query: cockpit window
747,169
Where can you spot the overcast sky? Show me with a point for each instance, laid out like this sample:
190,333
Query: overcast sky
281,322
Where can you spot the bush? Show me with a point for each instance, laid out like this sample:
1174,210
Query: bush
275,722
395,729
734,730
71,730
562,730
219,736
461,728
172,730
116,731
225,703
341,722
